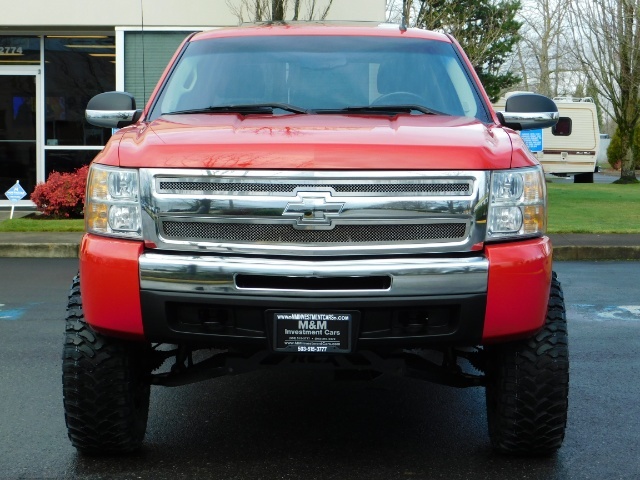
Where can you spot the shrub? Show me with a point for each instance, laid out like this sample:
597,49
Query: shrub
615,154
62,195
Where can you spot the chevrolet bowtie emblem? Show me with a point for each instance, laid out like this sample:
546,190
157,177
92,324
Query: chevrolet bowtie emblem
313,208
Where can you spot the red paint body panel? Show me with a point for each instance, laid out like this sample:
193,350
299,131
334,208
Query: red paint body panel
518,290
109,154
331,142
322,30
522,156
111,286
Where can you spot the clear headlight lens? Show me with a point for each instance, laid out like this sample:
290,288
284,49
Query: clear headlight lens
113,202
517,204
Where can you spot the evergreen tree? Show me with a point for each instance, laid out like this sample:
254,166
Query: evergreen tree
486,29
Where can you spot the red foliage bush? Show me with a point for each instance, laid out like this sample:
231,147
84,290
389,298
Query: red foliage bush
62,195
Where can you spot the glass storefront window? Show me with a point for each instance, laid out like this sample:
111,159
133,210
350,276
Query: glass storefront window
19,50
76,69
65,161
17,132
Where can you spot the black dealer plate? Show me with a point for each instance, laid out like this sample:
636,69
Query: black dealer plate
312,332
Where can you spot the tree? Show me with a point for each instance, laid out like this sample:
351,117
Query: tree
278,10
486,29
543,55
608,47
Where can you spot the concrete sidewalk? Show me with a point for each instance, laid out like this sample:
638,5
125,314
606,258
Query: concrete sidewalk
36,244
585,246
43,245
565,247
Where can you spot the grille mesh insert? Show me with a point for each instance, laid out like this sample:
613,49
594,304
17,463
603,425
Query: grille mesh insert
435,188
341,234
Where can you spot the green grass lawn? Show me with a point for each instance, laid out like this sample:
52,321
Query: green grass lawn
41,225
594,208
573,208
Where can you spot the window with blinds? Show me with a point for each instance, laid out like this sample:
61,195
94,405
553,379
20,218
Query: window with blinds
146,55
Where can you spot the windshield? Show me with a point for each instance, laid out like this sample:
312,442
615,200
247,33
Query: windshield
320,74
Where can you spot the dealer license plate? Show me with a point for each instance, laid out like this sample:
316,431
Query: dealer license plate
312,332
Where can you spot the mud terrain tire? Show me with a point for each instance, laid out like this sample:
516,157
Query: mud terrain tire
105,386
528,385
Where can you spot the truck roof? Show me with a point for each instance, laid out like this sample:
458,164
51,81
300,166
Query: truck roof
320,29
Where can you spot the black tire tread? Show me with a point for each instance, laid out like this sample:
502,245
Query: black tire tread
105,392
528,387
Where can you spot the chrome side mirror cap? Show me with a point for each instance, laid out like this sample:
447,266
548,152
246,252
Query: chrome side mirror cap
526,111
112,110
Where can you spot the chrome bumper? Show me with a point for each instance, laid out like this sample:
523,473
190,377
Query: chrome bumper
403,276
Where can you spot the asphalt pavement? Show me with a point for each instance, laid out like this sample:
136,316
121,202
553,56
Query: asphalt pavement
303,423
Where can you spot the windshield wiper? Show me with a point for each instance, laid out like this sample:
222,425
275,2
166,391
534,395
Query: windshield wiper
383,109
244,109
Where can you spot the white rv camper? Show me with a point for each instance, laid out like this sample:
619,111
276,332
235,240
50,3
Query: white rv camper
571,147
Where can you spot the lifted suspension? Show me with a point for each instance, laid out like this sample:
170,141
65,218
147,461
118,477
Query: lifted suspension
362,365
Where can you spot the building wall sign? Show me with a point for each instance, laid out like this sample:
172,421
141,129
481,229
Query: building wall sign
19,50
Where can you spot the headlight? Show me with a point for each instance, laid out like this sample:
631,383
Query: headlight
517,204
112,202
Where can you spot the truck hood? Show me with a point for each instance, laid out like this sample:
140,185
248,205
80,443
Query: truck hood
330,142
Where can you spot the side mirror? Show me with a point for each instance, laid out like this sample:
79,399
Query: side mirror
112,110
526,111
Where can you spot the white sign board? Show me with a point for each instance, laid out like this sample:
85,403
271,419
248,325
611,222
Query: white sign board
15,194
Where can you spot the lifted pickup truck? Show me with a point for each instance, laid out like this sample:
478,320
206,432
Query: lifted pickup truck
334,197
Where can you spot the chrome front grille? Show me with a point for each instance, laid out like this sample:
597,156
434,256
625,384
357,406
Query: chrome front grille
341,234
292,213
225,188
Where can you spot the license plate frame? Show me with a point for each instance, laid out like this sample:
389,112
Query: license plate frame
309,332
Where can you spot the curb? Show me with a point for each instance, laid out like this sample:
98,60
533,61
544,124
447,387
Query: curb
39,250
560,253
591,253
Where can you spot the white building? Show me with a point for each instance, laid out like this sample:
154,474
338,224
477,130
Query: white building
54,56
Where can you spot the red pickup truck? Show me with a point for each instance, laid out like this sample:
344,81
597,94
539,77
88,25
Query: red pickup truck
333,197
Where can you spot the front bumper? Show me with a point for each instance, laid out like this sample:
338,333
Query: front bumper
267,277
467,299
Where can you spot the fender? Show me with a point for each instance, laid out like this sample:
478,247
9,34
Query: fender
518,289
110,285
